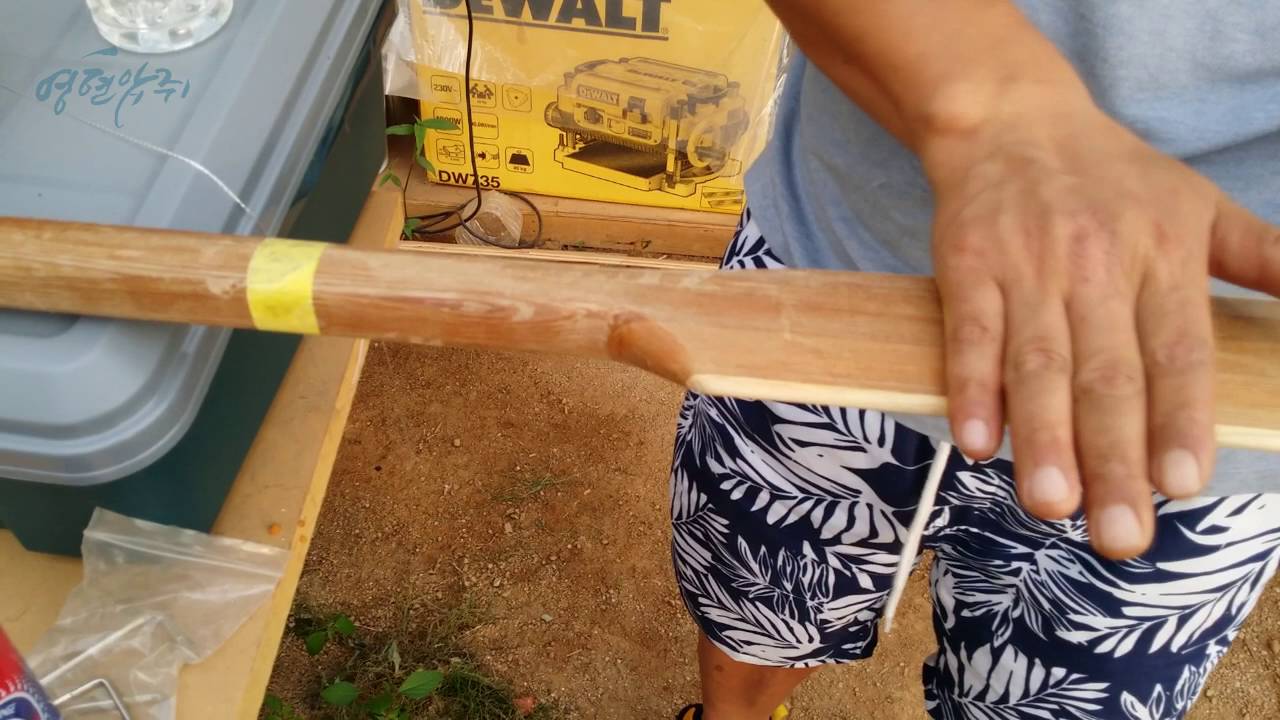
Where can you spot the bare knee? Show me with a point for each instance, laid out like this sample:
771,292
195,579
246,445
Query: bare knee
733,690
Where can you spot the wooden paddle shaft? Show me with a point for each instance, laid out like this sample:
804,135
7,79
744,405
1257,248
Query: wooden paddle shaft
205,279
840,338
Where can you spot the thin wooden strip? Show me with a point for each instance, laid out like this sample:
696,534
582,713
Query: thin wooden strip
567,256
817,394
789,335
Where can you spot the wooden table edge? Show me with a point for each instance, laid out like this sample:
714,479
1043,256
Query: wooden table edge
379,225
282,599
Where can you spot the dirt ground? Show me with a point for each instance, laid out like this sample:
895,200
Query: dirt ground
536,488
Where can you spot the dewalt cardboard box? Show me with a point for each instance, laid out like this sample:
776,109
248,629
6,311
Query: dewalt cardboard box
649,102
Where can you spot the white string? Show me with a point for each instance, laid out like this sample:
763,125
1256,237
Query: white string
200,168
912,544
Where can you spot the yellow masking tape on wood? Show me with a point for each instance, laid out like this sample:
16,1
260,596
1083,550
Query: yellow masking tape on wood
279,288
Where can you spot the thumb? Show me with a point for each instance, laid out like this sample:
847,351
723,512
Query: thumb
1245,249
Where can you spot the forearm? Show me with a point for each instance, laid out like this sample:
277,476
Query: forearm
929,69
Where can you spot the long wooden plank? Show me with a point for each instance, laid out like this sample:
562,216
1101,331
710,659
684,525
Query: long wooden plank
792,335
571,223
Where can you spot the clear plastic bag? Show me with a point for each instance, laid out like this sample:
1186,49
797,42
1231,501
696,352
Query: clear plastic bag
153,598
399,59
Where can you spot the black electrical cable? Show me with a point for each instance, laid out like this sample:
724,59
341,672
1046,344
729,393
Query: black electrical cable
471,144
426,228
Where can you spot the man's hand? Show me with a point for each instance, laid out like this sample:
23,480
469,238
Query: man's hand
1073,262
1073,258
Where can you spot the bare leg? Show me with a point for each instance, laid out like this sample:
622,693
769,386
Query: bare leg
733,690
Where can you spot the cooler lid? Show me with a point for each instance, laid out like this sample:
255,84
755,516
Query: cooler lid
89,133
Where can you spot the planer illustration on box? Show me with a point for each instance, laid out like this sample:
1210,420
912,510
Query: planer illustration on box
648,124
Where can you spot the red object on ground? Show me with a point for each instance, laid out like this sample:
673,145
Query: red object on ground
525,705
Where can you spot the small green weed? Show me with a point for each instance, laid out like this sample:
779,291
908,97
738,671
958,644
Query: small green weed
273,708
385,701
374,683
410,224
418,129
316,634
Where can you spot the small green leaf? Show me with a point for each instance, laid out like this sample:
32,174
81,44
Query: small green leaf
390,177
409,226
424,162
419,139
431,169
341,693
437,124
406,129
316,641
343,625
421,684
380,705
273,704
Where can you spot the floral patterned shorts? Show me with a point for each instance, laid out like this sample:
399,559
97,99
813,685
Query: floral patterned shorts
788,522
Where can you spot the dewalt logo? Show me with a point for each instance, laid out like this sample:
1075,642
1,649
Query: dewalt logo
604,17
592,93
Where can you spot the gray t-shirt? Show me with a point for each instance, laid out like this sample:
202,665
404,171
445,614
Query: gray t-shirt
1198,80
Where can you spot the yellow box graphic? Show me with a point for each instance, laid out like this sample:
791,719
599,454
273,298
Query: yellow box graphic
649,102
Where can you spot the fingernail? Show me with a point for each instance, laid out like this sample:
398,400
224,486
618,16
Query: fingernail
1181,474
975,436
1117,529
1047,486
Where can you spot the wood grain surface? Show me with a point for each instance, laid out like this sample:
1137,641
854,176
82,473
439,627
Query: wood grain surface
807,336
